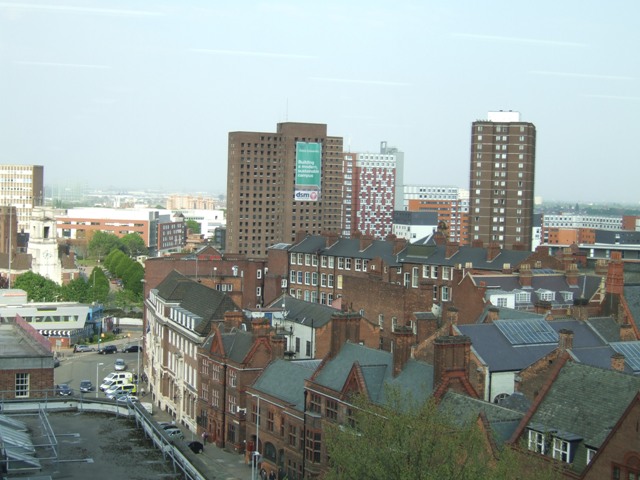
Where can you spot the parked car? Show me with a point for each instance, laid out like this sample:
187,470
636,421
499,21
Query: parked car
83,348
109,349
126,397
117,390
64,390
86,386
174,432
120,365
132,348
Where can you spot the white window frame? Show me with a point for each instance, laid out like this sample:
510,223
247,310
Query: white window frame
561,450
536,442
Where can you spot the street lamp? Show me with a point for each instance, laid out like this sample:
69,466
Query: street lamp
97,384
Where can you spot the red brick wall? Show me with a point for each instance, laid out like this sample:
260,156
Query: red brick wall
40,382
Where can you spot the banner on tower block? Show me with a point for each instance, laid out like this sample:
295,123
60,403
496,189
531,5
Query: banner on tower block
308,171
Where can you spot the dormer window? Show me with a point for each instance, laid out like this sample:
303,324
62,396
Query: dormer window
536,442
561,450
523,297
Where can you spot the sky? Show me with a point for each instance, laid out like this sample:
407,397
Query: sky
141,95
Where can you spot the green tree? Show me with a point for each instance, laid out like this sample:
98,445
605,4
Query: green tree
77,290
193,226
132,278
397,441
98,286
121,265
38,288
134,245
102,243
114,256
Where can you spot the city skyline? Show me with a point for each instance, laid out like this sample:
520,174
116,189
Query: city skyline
143,96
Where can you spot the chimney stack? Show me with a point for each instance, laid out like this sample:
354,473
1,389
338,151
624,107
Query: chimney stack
525,275
493,250
278,343
615,274
571,274
617,362
493,314
451,249
451,356
260,327
626,333
565,340
233,318
580,309
365,241
330,238
402,341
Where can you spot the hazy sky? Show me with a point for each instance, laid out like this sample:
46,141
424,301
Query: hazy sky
142,94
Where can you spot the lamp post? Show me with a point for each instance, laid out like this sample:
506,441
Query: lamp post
256,454
97,384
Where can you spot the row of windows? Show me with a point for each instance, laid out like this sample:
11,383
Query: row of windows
308,259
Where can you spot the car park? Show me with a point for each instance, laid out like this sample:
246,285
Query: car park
83,348
64,389
108,349
86,386
120,365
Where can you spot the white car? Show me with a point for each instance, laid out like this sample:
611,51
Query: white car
120,365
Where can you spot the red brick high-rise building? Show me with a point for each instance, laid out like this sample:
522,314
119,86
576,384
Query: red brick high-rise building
279,183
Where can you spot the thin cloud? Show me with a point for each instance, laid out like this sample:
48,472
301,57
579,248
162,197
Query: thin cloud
612,97
74,9
248,53
384,83
64,65
581,75
530,41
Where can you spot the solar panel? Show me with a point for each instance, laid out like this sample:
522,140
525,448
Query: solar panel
527,332
631,352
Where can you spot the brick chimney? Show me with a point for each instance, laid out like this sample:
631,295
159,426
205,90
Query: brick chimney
493,250
567,259
601,267
398,245
615,274
233,318
493,314
477,244
403,339
617,362
452,315
565,340
278,343
331,238
525,276
260,327
300,236
626,333
451,249
571,274
365,241
451,355
542,307
580,309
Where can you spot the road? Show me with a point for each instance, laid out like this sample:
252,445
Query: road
75,367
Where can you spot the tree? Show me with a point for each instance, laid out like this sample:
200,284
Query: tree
398,441
194,226
132,278
134,245
77,290
38,288
114,257
98,285
102,243
121,265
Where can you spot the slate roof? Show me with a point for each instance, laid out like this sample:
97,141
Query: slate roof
204,302
554,282
632,296
585,402
415,379
500,355
507,313
464,409
426,252
304,313
284,379
346,247
237,345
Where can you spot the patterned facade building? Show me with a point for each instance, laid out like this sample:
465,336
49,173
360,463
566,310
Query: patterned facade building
368,205
22,186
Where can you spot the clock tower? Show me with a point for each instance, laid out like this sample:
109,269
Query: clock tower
43,244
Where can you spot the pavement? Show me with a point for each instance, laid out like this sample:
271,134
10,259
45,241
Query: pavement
223,465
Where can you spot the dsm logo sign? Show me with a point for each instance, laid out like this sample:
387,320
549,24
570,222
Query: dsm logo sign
307,196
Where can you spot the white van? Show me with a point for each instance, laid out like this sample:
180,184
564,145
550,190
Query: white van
118,375
114,382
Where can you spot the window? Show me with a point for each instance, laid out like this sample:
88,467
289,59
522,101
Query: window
315,403
270,420
501,302
590,454
300,258
340,263
444,293
561,450
381,321
307,278
435,292
233,378
300,274
330,280
293,435
358,266
426,271
292,260
536,442
258,291
215,398
323,261
446,273
523,297
331,409
414,277
314,260
347,264
292,276
434,271
331,262
307,259
22,385
232,404
215,372
231,432
313,446
323,279
407,279
308,349
297,344
314,279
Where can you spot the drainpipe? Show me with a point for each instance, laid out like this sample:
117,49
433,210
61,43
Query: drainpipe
224,405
